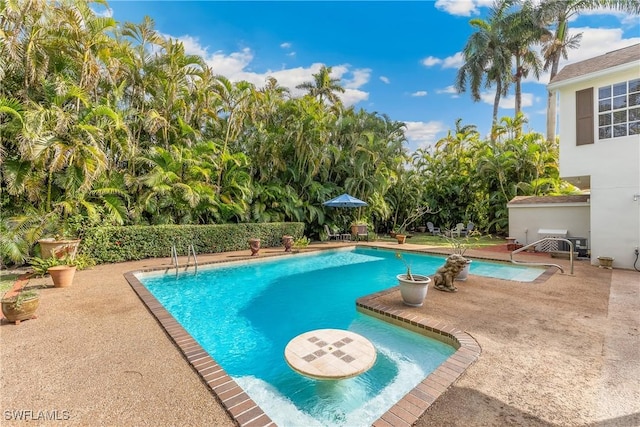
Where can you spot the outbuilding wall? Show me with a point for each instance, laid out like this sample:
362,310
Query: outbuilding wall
526,219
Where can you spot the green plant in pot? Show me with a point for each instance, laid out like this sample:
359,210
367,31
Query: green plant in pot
301,243
414,215
413,287
459,245
61,269
61,236
20,305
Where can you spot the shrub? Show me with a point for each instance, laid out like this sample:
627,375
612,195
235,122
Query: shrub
118,244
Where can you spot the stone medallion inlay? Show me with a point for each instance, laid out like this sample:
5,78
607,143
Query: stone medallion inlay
330,354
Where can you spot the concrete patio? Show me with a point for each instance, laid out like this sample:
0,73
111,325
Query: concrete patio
563,352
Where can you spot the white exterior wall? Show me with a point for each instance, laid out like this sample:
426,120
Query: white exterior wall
614,167
526,219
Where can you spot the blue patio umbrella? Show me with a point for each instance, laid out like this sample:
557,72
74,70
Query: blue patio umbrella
345,201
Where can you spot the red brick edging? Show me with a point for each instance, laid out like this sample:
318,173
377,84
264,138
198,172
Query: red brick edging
414,404
247,413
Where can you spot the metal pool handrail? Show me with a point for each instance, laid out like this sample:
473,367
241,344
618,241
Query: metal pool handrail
174,259
543,263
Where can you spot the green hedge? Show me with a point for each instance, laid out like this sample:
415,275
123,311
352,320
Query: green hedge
117,244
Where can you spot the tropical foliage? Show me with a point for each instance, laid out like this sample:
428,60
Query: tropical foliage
502,50
103,123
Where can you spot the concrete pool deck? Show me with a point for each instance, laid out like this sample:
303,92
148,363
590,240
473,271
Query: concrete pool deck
562,352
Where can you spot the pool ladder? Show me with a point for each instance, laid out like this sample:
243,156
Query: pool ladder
174,259
543,263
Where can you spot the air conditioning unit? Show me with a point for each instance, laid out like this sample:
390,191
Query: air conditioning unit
580,245
550,245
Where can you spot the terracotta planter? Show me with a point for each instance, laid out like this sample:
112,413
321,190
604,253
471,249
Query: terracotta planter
462,276
62,275
25,311
401,238
413,291
287,241
58,248
254,245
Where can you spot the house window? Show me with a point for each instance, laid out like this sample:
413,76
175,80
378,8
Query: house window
619,109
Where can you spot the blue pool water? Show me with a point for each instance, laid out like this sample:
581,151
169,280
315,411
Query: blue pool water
244,316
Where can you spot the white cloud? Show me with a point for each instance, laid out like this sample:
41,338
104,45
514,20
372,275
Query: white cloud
291,54
508,102
236,67
419,93
594,42
458,7
232,66
191,44
430,61
360,77
462,7
450,90
597,41
454,61
385,79
423,134
285,45
353,96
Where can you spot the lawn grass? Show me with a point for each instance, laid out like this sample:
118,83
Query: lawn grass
430,240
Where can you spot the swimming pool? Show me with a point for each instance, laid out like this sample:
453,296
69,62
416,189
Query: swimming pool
245,315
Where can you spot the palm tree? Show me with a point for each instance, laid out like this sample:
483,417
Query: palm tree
522,29
558,13
487,59
323,86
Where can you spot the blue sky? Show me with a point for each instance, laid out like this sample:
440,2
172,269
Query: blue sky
396,58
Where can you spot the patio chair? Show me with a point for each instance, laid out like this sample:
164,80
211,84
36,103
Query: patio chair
330,235
457,232
433,230
467,231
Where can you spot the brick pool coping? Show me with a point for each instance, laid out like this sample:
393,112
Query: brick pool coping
245,412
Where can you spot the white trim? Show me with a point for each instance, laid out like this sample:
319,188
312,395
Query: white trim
600,73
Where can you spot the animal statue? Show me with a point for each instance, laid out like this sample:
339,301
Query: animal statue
445,275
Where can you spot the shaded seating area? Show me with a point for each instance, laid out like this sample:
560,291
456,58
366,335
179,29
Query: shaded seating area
331,235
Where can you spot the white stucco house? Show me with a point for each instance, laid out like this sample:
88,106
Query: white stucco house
599,131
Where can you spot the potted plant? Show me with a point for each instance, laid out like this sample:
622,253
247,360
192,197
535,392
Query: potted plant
413,287
301,243
287,241
20,305
416,214
400,235
606,262
254,245
459,246
62,240
61,269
